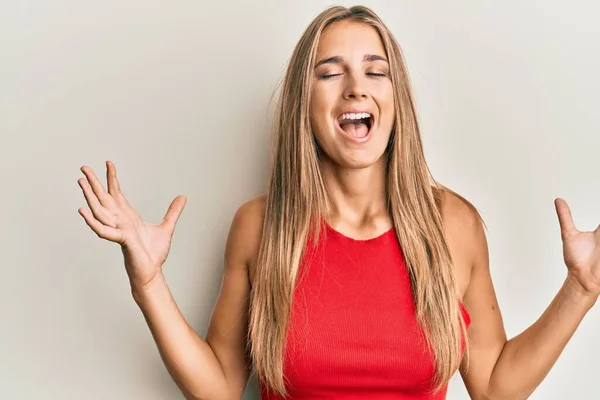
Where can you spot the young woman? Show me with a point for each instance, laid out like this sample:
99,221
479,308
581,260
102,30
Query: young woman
357,276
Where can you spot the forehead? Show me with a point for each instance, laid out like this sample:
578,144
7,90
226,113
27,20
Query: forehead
349,39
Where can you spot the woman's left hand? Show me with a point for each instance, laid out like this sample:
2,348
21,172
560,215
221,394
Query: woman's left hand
581,251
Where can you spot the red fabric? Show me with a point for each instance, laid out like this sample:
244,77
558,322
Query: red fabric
353,332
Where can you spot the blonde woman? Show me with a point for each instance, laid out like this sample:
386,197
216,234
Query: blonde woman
357,275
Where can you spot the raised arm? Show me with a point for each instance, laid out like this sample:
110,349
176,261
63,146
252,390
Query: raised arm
211,369
513,369
215,368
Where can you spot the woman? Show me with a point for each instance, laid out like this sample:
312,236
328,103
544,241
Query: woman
356,275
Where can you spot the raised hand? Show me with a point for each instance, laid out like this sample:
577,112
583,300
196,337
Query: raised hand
581,251
145,246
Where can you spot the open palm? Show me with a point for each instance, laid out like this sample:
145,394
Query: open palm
581,250
145,246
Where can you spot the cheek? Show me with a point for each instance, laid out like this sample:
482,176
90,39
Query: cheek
387,105
320,106
320,98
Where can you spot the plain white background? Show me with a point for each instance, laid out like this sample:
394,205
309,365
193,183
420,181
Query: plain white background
177,94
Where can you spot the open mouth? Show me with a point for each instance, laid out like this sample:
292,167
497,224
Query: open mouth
357,126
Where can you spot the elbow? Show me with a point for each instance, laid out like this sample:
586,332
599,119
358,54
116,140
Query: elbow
503,393
501,390
492,396
192,396
189,396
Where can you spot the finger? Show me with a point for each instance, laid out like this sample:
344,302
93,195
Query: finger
114,188
565,219
103,231
96,185
173,213
98,210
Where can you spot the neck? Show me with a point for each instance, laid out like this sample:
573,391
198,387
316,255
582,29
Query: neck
357,196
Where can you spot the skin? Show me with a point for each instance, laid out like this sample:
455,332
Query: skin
216,367
354,173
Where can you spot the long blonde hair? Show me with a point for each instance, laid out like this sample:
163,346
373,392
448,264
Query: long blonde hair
297,198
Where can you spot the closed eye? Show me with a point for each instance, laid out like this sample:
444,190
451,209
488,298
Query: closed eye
329,76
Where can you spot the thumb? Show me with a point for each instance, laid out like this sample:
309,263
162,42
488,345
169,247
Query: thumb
173,213
565,219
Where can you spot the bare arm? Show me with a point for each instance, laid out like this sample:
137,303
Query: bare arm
188,358
512,369
527,358
211,369
469,250
215,368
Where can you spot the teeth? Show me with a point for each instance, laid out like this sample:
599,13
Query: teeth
355,116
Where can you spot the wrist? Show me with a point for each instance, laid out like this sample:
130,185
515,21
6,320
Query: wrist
141,292
578,294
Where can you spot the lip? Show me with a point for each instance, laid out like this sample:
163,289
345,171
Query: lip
352,138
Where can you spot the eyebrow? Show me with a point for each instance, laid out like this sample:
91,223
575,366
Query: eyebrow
338,59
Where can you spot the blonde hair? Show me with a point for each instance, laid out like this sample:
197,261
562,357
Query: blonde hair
297,198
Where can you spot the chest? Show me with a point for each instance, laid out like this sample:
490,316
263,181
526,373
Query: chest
353,325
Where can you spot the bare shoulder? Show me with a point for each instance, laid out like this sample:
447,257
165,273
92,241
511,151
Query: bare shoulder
465,234
458,213
246,232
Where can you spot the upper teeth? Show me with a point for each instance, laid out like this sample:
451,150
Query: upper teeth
355,116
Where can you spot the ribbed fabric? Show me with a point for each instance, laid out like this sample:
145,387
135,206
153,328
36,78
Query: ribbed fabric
353,330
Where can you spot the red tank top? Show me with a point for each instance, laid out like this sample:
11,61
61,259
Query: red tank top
353,330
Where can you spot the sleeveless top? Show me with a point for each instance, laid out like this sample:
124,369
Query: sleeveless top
353,330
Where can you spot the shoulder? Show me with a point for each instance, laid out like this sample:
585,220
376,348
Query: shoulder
245,232
458,213
464,230
251,213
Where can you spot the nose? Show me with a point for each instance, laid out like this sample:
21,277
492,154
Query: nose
354,88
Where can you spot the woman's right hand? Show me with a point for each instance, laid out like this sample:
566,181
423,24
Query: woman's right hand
145,246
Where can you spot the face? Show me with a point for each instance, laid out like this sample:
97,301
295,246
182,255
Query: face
352,105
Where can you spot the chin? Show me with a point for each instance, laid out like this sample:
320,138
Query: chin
340,151
359,161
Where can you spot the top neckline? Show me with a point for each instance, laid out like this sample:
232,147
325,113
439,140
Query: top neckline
354,240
